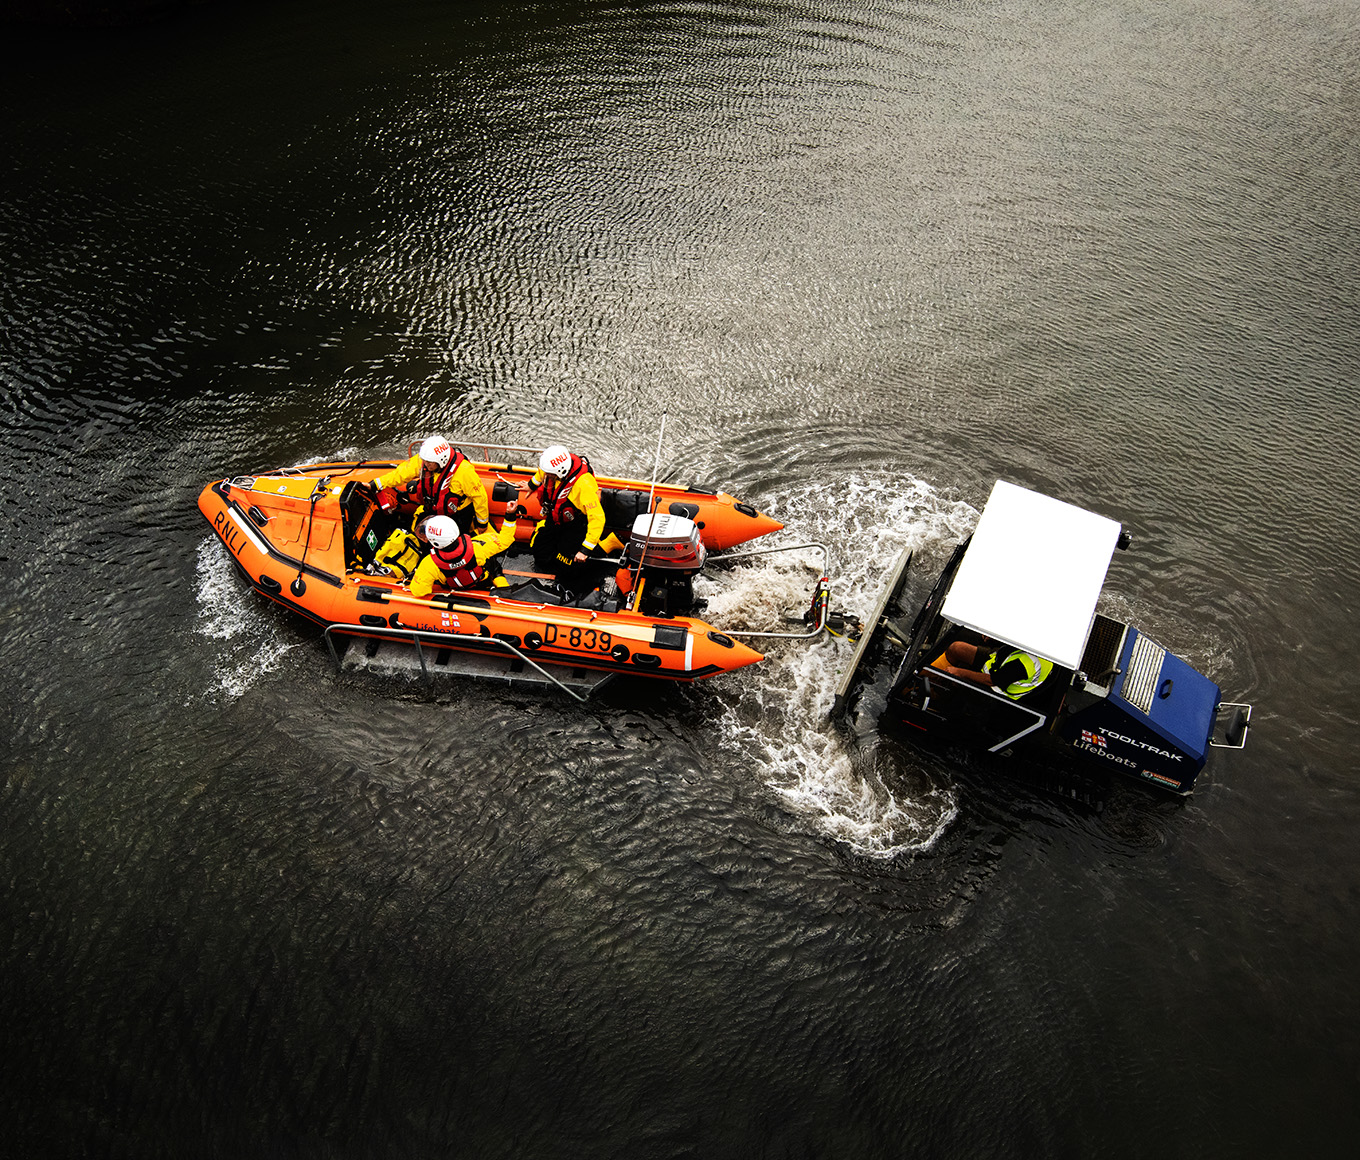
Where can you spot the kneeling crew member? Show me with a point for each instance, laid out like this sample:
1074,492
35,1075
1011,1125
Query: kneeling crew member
572,520
443,482
457,560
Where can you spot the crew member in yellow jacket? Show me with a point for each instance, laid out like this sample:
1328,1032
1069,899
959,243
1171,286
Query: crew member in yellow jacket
457,560
572,520
442,482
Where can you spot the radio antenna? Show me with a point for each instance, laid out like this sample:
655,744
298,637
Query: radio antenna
651,516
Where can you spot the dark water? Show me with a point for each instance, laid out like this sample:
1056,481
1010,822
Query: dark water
866,258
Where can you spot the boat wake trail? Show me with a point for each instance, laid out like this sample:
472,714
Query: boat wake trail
783,718
249,645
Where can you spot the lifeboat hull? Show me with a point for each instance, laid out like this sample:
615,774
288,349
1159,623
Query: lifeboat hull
293,535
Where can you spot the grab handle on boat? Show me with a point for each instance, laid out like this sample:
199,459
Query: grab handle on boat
416,636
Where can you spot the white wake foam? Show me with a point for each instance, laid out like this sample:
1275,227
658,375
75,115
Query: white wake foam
246,645
780,713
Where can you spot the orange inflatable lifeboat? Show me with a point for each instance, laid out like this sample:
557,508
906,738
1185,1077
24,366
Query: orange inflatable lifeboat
299,537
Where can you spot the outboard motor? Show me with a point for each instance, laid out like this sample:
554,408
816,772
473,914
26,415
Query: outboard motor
671,555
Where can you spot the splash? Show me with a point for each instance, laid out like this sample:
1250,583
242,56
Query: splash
248,645
865,814
783,719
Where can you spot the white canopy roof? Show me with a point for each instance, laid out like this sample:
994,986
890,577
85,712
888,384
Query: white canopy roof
1033,573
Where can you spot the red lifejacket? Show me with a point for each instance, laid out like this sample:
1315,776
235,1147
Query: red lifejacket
436,497
459,564
553,493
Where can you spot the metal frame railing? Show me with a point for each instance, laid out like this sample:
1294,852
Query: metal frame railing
1244,723
975,689
415,635
411,449
821,596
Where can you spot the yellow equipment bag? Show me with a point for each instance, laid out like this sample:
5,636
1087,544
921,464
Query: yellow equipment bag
400,554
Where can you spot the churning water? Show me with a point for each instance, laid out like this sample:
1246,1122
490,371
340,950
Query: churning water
866,259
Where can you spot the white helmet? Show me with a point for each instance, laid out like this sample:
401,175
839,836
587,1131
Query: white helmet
556,460
436,449
442,531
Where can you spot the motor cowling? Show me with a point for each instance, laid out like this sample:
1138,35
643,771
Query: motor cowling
671,554
666,543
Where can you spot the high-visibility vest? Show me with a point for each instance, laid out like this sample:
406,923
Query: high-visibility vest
1036,669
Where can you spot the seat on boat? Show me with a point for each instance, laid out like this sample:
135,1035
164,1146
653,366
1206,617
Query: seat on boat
537,592
622,505
359,518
